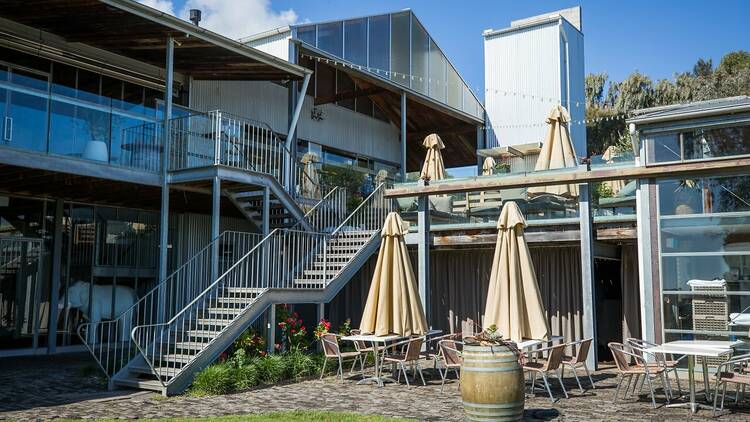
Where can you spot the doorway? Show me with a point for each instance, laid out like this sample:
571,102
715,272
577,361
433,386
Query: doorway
609,305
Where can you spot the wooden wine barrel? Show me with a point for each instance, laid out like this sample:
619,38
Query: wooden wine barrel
492,387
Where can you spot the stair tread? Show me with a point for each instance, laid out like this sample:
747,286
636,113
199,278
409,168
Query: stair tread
154,385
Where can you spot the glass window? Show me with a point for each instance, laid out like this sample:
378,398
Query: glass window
344,84
469,103
709,195
455,88
663,148
88,85
132,98
380,43
420,50
355,39
400,60
111,91
306,34
64,80
330,38
437,73
720,142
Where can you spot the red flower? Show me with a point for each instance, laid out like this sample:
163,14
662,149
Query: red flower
296,315
289,320
282,324
303,328
299,320
277,346
293,331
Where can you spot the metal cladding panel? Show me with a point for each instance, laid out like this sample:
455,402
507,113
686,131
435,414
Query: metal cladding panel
276,45
523,82
195,233
577,88
340,127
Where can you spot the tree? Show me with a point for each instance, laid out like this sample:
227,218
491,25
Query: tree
703,68
734,62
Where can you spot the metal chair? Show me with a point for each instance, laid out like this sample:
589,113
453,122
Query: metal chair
579,359
732,371
411,355
640,367
331,350
364,350
670,364
552,364
450,357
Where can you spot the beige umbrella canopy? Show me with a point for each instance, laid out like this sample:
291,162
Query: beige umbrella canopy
609,157
514,303
393,305
310,178
433,167
557,152
488,166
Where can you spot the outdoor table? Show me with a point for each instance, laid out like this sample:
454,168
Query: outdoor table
530,344
378,378
691,349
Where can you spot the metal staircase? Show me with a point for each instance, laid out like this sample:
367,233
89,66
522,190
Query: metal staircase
287,266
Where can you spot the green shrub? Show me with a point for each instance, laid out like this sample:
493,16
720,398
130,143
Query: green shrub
270,369
298,364
245,377
216,379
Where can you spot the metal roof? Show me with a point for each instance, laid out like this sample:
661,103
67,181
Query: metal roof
139,32
728,105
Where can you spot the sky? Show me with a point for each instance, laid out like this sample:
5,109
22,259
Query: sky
658,38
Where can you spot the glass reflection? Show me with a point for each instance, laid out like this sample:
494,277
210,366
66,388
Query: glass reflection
355,36
380,45
330,38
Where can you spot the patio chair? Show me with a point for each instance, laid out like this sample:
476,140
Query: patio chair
582,352
450,358
732,371
331,350
630,370
431,350
668,362
402,353
551,365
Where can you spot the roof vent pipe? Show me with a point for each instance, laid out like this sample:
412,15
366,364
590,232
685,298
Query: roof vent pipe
195,16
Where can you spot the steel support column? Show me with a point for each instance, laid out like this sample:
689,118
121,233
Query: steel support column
271,327
215,223
266,211
423,250
403,136
164,213
56,276
296,100
645,260
588,290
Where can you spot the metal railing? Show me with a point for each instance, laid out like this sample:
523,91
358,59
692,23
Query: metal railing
272,263
110,342
142,146
370,214
220,138
328,213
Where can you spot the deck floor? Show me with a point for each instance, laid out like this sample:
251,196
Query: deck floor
67,386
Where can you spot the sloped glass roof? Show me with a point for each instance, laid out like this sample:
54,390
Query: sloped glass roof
394,46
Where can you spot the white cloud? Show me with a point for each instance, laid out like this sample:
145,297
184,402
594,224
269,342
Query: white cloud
231,18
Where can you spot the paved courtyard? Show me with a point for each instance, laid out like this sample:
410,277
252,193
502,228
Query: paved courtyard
69,387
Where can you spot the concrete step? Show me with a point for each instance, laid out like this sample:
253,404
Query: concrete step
177,358
225,311
164,372
213,322
202,333
153,385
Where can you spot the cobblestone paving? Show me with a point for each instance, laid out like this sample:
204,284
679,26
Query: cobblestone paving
63,387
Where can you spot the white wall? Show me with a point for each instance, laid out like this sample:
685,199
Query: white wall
340,128
275,45
529,62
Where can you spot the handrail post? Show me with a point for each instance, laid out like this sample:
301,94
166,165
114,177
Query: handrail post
217,138
325,260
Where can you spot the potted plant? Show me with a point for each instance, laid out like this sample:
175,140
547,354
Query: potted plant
492,385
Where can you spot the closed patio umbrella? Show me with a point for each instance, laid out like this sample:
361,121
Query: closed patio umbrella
310,178
609,157
488,166
557,152
514,303
433,167
393,304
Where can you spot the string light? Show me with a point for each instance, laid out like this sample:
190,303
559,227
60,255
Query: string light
437,82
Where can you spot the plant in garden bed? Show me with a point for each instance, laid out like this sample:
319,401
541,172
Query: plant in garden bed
293,332
322,328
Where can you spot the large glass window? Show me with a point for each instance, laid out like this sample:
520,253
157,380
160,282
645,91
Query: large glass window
455,88
438,68
400,59
420,50
698,144
704,245
330,38
307,34
380,43
355,36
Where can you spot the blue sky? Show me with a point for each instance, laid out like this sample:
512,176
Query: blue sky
655,37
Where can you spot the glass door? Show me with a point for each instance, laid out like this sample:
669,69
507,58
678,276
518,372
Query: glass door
26,109
20,292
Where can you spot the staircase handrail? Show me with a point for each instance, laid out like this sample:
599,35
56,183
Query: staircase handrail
121,350
375,195
265,279
327,212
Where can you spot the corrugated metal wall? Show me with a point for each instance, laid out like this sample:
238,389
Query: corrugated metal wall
577,87
195,233
340,128
525,63
276,45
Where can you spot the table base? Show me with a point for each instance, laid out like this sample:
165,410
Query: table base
380,381
692,406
